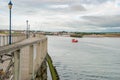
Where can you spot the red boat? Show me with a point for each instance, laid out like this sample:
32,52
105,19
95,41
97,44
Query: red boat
74,40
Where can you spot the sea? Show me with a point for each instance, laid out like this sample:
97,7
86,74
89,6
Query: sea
88,59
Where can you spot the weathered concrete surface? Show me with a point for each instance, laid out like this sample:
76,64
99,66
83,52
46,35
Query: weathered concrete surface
4,39
13,47
39,54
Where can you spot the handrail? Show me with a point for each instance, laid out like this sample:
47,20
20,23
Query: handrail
13,47
4,39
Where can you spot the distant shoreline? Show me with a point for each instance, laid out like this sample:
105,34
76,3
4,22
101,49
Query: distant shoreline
65,33
105,35
95,35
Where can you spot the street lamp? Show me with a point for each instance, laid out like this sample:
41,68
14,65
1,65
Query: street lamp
10,7
27,29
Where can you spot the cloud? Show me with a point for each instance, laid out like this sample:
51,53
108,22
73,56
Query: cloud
95,2
78,7
69,15
59,6
103,21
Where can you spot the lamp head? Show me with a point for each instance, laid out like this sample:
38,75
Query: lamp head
10,5
27,21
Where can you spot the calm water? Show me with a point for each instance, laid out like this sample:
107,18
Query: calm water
89,59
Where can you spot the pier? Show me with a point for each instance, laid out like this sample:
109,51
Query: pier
25,59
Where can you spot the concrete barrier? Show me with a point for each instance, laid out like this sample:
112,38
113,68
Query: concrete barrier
4,39
27,59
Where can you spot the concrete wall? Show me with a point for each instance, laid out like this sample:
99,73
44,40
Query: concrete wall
31,60
28,57
4,39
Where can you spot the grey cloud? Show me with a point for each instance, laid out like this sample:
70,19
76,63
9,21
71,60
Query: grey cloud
73,8
78,8
112,30
33,7
96,23
68,1
103,21
94,1
38,9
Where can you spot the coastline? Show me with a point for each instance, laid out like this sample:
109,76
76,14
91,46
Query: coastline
96,35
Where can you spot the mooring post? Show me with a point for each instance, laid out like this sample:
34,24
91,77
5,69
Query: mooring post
17,65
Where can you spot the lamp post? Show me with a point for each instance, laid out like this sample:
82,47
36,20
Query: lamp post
10,7
27,29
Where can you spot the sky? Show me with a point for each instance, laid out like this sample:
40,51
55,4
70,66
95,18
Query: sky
62,15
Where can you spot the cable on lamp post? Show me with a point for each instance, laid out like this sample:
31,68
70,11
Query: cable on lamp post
10,7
